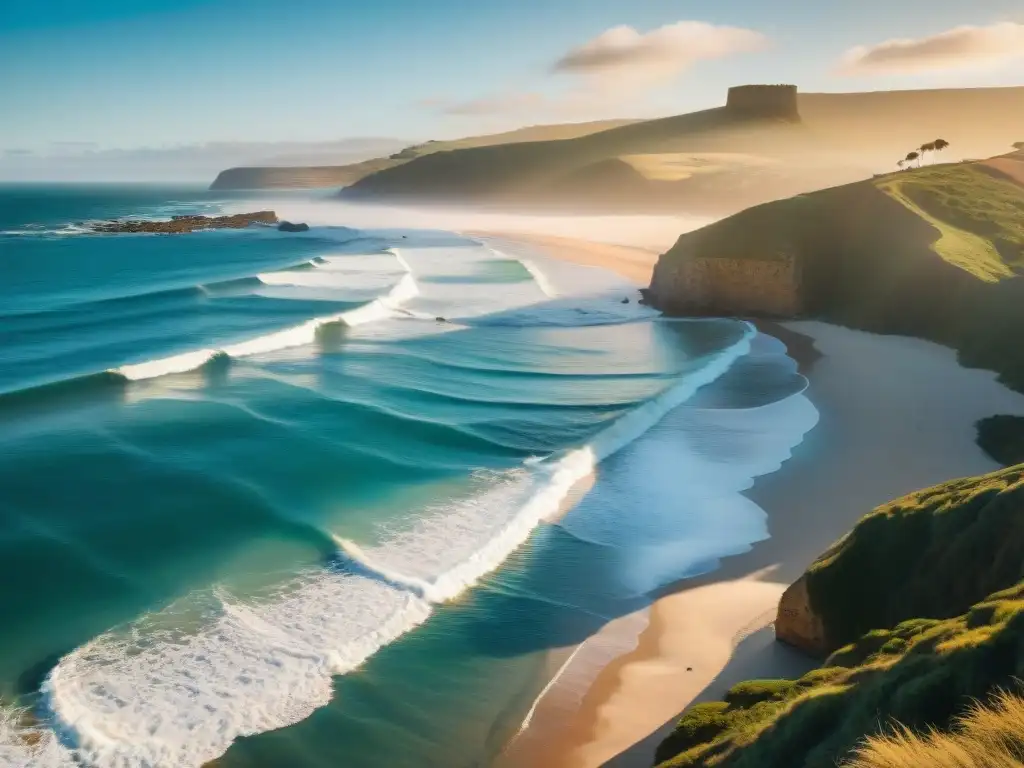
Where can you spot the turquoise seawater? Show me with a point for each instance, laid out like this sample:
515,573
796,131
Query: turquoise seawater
289,499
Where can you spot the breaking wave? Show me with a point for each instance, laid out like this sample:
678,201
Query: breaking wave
378,309
152,696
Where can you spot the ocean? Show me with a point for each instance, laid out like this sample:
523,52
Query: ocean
319,499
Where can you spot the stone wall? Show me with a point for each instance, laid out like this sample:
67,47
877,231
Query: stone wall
724,286
778,101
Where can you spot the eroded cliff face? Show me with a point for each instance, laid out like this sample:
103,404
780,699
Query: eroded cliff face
723,286
797,624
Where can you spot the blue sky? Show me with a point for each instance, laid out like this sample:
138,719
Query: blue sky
131,73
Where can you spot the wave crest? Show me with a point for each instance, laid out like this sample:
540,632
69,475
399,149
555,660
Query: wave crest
379,308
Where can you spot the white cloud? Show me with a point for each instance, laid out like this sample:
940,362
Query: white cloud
623,55
958,48
614,69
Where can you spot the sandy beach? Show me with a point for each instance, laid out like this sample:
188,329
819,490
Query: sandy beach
897,414
635,262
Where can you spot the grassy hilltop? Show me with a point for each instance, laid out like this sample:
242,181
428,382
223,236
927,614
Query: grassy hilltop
716,160
268,177
933,252
924,602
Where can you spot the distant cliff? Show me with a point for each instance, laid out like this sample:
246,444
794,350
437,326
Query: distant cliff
933,253
764,101
808,140
343,175
295,177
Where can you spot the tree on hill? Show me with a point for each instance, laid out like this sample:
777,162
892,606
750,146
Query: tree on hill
911,157
1018,145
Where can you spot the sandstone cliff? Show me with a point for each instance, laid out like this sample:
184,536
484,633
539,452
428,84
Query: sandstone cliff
764,287
798,624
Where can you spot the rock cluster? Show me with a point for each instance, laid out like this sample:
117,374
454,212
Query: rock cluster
188,223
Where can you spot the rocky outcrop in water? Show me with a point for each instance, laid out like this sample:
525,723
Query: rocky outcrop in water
188,223
287,226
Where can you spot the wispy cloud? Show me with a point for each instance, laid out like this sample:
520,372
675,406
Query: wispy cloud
626,55
617,67
958,48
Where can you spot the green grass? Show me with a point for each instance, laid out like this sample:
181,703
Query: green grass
924,604
979,218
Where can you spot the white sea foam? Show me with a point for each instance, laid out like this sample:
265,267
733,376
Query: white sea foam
150,697
353,274
65,231
540,278
156,698
296,336
536,273
471,540
27,745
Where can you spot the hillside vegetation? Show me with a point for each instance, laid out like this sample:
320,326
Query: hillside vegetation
988,736
934,252
924,604
840,138
265,177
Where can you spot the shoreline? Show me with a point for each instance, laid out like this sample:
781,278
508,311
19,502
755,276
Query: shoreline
705,634
633,262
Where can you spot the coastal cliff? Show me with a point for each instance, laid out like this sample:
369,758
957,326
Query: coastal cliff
343,175
293,177
921,608
694,285
934,253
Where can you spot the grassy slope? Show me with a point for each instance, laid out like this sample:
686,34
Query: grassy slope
990,735
842,135
342,175
929,253
928,592
571,170
979,217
